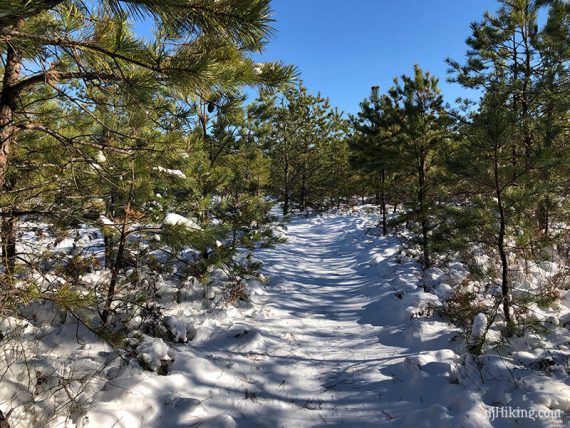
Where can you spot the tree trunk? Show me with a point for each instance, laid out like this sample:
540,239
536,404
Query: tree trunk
426,260
303,192
286,201
505,283
286,187
543,215
108,240
8,232
116,269
8,235
8,100
383,201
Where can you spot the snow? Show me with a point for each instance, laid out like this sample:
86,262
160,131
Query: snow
340,329
327,342
176,328
173,172
258,69
100,157
105,221
173,219
479,326
152,352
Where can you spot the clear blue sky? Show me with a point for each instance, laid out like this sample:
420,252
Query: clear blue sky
342,48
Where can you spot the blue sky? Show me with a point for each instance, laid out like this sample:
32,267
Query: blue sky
342,48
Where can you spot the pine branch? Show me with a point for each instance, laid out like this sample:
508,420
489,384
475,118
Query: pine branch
52,75
67,140
12,13
7,34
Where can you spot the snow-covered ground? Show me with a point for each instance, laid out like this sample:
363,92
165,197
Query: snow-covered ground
343,335
330,341
336,339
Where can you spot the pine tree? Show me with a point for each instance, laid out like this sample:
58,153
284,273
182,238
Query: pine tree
552,76
33,180
420,129
336,181
373,150
515,149
497,196
198,49
300,132
72,42
509,48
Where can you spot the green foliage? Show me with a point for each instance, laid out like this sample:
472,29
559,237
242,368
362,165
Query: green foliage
400,137
511,153
104,130
305,140
111,131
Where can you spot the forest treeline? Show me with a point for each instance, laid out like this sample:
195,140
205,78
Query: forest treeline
152,142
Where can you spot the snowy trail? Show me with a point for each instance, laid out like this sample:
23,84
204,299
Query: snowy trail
325,277
333,295
330,342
